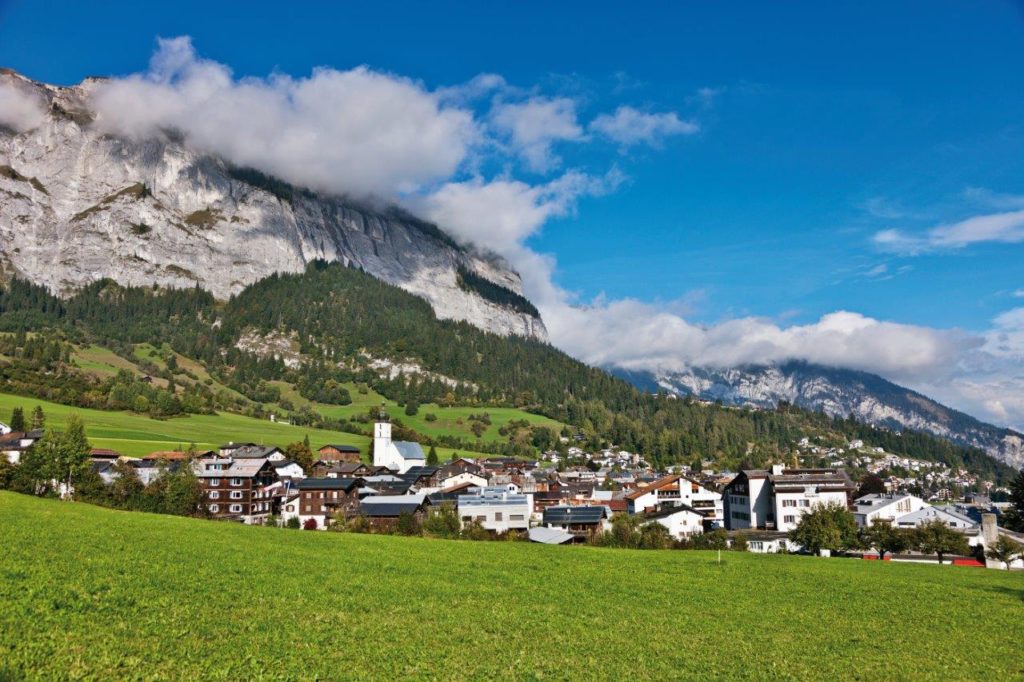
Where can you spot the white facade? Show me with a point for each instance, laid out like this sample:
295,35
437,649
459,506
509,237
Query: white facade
790,506
751,506
679,491
398,456
681,522
461,479
4,429
497,509
887,507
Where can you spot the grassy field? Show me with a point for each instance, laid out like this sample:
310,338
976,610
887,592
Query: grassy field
136,435
92,593
451,421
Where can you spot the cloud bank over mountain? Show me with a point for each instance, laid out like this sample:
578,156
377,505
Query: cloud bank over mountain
482,160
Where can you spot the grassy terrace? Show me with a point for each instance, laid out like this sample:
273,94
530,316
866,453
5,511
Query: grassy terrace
88,592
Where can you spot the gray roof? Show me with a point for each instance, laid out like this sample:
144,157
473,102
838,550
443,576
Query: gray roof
329,483
238,468
580,514
409,450
550,536
391,505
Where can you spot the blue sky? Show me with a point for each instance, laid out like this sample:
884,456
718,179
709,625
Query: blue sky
818,127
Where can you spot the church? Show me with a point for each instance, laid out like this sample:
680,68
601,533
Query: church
399,455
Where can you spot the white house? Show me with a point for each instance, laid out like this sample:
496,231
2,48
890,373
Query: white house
776,499
461,479
13,444
4,429
676,489
888,506
286,468
926,514
681,521
497,509
399,455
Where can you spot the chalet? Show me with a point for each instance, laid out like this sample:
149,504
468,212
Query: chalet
681,520
339,453
421,477
286,468
388,484
776,499
331,469
231,486
498,510
14,443
461,465
579,520
677,489
321,498
454,479
888,507
383,511
252,451
104,455
451,495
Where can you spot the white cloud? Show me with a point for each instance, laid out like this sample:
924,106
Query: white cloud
1005,227
536,124
500,214
629,127
357,131
21,109
1019,293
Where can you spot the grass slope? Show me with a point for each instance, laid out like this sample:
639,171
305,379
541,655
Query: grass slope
136,435
88,592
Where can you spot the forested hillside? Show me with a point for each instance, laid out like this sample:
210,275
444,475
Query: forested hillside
339,325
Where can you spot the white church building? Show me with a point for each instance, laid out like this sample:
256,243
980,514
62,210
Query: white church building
398,455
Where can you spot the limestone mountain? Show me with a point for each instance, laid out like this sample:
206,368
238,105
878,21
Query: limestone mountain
77,206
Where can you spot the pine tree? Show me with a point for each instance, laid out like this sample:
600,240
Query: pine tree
17,419
432,456
38,418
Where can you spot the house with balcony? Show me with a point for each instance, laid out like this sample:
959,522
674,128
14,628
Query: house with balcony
677,490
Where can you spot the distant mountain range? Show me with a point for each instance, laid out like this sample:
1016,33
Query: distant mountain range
868,397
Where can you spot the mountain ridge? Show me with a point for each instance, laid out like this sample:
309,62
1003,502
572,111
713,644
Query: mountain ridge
837,392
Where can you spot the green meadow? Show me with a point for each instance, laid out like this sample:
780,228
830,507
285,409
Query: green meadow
136,435
92,593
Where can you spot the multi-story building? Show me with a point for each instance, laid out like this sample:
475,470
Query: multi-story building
776,499
321,498
677,490
233,487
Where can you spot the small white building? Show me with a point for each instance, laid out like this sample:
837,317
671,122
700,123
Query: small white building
399,455
888,507
4,429
462,479
681,521
497,509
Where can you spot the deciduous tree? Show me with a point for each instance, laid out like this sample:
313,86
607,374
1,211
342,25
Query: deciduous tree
935,537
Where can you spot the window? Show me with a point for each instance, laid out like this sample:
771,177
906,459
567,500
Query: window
308,508
236,481
789,503
236,508
214,482
214,494
290,508
214,508
756,546
498,516
516,517
236,494
805,503
789,519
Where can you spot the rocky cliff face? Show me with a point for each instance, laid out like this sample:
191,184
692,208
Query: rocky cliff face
77,206
868,397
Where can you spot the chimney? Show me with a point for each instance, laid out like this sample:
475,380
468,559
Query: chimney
988,529
777,469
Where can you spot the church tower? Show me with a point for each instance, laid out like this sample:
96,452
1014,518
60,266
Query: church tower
382,440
